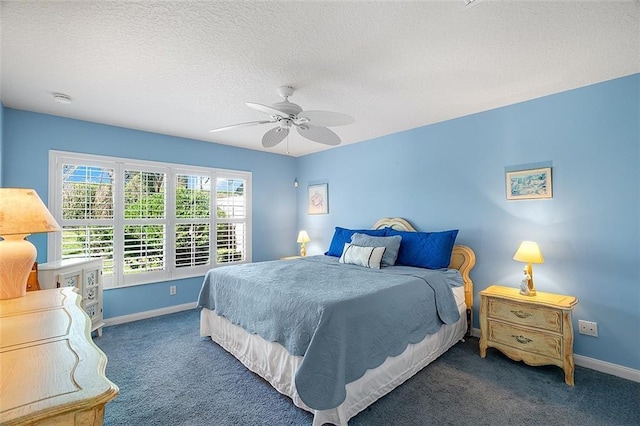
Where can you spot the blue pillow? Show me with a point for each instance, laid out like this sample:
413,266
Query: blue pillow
430,250
392,245
343,235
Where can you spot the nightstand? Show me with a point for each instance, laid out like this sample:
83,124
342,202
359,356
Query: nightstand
290,257
534,329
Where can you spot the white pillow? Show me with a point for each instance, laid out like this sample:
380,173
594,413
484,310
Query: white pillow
369,257
392,244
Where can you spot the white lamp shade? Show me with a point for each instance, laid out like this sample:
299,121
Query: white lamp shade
529,252
303,237
22,212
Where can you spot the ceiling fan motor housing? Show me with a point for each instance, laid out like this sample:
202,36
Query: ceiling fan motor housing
285,91
288,108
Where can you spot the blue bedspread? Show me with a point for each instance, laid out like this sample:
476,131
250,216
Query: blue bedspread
344,319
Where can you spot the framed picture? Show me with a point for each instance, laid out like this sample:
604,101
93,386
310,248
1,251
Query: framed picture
318,202
529,184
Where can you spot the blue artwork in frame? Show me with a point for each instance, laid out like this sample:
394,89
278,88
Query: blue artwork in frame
529,184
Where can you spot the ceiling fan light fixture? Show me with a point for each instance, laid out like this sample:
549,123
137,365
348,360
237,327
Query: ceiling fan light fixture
284,124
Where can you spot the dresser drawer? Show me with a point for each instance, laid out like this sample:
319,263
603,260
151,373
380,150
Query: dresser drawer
526,314
526,340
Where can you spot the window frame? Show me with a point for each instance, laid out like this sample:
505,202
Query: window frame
172,170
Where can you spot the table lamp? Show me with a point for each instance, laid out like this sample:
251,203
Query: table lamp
22,213
303,238
528,252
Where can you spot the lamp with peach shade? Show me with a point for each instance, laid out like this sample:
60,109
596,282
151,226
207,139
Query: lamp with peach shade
22,213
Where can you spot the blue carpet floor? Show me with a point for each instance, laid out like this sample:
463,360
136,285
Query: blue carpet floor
168,375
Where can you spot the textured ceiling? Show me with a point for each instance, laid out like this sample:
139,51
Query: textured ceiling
183,68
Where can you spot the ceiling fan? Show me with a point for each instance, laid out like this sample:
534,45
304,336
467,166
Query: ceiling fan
309,124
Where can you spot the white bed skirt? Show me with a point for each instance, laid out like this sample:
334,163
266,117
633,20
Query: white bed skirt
271,361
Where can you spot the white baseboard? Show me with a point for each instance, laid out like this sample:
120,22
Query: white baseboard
149,314
607,367
595,364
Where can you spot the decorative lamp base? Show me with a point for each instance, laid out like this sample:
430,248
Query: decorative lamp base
528,292
16,260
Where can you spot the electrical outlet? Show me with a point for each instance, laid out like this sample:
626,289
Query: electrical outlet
172,290
588,327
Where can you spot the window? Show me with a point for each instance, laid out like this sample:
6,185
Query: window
148,221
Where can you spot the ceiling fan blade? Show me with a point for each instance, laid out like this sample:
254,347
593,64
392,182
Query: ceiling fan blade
233,126
326,118
319,134
267,109
274,136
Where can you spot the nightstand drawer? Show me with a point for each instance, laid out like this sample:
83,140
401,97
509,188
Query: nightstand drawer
526,339
526,314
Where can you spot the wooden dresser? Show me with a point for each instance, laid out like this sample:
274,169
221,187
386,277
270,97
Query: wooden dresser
52,372
534,329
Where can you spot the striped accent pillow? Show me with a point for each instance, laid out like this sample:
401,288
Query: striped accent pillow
369,257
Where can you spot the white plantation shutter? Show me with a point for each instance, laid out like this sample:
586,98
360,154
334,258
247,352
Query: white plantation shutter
148,221
144,221
89,241
194,242
86,213
231,241
193,221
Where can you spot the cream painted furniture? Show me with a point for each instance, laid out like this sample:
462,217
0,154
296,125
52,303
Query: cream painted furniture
534,329
85,274
52,372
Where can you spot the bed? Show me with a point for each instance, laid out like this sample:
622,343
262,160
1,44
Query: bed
338,383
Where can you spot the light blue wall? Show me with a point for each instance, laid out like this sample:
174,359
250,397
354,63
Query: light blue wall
447,175
28,137
451,175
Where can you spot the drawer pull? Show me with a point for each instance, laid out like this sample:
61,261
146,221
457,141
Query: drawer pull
521,314
522,339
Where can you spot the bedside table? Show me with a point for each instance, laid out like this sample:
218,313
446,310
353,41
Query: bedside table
534,329
290,257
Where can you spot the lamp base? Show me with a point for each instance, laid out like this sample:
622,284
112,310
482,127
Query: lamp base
16,260
526,285
527,292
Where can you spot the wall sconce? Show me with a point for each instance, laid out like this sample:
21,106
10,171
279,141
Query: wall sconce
303,238
528,252
22,213
295,183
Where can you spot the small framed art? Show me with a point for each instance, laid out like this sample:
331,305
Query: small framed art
529,184
318,202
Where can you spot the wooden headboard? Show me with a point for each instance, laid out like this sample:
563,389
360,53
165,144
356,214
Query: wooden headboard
462,257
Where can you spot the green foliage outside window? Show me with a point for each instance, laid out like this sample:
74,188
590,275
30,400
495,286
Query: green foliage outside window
144,244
